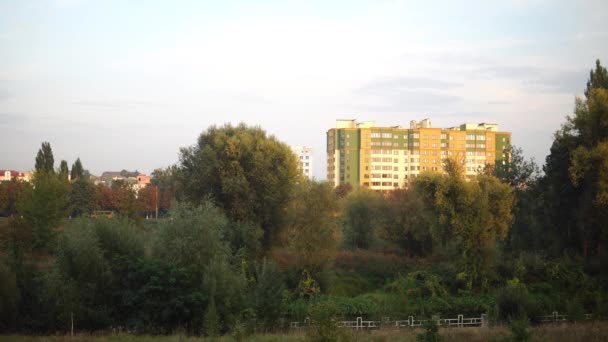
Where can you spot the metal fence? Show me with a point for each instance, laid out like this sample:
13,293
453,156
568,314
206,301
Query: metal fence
411,322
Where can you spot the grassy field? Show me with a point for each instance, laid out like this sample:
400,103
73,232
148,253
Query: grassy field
588,331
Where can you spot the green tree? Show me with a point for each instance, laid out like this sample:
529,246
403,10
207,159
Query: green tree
598,78
314,233
63,171
44,206
226,289
517,171
406,224
77,170
10,298
167,182
472,214
573,188
192,236
267,288
589,169
80,284
11,193
161,297
361,218
44,159
248,174
82,197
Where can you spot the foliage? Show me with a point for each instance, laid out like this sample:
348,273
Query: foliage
166,180
323,317
192,236
10,297
63,171
519,330
313,229
162,297
249,175
575,181
43,207
361,218
517,171
406,225
598,78
431,332
470,214
10,196
77,170
148,199
81,198
44,159
266,293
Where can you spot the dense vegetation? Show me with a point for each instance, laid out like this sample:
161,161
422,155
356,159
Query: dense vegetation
246,244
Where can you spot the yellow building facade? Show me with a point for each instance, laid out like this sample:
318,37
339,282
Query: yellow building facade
385,158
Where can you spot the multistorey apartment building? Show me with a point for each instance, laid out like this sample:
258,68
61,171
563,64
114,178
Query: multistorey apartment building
305,157
385,158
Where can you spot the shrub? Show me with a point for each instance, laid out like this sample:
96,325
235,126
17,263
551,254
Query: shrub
324,316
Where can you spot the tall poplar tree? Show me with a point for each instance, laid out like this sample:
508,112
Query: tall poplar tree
44,159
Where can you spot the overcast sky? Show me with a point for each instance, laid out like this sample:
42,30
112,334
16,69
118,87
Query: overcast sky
125,84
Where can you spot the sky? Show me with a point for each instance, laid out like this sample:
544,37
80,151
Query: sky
126,84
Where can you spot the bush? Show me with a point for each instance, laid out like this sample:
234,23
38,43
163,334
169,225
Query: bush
324,316
431,332
514,302
519,330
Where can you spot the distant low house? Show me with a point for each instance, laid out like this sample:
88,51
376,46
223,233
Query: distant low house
136,180
143,179
8,175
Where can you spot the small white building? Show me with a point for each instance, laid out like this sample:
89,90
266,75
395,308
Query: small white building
305,156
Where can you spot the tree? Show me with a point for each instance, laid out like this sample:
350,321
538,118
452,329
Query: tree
10,195
44,159
574,179
470,214
248,174
192,236
103,197
148,199
517,171
314,232
161,297
82,197
406,225
63,171
44,206
598,78
588,169
361,218
168,185
124,200
266,290
77,170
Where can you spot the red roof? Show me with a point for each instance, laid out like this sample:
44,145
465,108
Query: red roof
13,173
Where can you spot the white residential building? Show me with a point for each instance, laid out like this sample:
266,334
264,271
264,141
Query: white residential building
305,156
